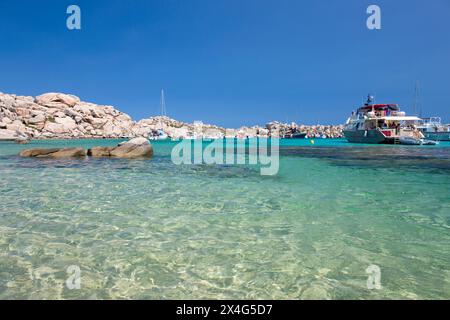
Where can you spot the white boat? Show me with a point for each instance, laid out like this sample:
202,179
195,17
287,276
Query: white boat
433,129
381,123
160,134
410,140
417,141
429,142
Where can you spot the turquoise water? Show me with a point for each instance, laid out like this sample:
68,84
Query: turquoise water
151,229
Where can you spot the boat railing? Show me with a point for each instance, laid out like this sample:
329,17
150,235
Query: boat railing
431,121
410,132
404,132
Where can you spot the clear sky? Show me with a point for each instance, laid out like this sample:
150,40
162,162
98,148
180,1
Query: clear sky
230,62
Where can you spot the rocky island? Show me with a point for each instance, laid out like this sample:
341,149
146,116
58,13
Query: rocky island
65,116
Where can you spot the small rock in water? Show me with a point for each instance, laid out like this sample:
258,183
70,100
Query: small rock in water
134,148
315,293
54,153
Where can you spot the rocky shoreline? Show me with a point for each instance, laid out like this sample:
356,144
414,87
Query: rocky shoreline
65,116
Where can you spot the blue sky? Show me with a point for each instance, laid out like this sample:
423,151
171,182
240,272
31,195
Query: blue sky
230,62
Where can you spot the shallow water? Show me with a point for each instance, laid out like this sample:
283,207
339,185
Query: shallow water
151,229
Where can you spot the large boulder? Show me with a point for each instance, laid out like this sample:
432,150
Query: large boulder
57,100
136,141
69,152
134,148
37,152
68,123
37,119
55,128
21,140
7,134
54,153
6,120
6,100
132,151
16,125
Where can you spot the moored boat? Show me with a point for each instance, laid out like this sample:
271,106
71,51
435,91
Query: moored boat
426,142
410,141
433,129
380,123
296,135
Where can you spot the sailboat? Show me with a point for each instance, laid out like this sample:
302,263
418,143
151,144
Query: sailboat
431,127
160,134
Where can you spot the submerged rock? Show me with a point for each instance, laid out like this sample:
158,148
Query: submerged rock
54,153
316,292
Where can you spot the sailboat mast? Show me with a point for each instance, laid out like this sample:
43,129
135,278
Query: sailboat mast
416,98
163,103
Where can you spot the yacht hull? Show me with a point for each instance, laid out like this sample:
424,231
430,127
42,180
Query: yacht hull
367,136
296,136
437,136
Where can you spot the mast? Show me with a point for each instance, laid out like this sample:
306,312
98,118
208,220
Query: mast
163,104
416,99
163,109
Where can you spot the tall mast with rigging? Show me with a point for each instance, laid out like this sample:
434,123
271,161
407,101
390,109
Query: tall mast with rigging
417,106
163,104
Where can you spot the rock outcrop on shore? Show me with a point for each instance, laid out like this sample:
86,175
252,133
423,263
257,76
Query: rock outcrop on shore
57,115
6,134
65,116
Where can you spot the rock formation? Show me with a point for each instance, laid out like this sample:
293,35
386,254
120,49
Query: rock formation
132,149
54,153
278,129
21,140
135,148
6,134
64,116
57,115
